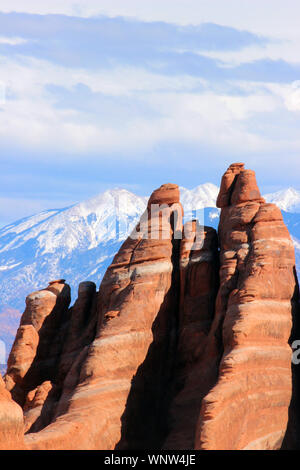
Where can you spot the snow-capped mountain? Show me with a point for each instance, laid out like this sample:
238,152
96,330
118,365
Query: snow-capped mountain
202,196
82,226
287,200
78,243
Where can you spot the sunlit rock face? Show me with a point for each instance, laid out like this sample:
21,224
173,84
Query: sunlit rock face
113,349
11,421
184,346
248,401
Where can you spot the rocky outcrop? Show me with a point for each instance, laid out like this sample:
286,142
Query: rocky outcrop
38,344
9,322
111,392
48,342
186,344
247,407
11,421
239,391
199,263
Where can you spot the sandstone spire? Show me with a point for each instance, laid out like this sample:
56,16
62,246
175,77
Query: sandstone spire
111,392
247,408
186,344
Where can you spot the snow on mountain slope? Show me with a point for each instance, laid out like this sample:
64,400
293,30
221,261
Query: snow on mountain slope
287,200
82,226
68,243
78,243
202,196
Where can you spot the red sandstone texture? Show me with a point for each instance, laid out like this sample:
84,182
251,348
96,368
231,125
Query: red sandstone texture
11,421
183,347
119,375
199,263
247,408
37,346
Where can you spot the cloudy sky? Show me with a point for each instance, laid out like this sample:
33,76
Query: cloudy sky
98,94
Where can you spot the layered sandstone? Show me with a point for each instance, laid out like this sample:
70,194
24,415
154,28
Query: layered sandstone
247,407
183,347
38,344
50,338
11,421
111,392
199,264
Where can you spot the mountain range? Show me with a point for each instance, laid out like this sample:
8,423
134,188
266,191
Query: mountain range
78,243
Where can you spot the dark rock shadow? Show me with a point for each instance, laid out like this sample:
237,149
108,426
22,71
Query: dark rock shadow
144,421
292,437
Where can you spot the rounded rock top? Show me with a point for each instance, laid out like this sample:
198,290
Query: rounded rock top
166,194
40,294
57,281
240,166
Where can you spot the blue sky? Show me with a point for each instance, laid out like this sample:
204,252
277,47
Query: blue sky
95,95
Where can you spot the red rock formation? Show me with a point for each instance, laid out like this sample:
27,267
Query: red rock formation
37,346
11,421
37,407
111,391
9,322
153,361
247,407
48,342
199,263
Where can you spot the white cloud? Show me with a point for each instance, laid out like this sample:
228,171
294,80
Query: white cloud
12,41
180,114
284,49
210,119
204,118
267,17
292,96
243,107
274,18
289,94
28,76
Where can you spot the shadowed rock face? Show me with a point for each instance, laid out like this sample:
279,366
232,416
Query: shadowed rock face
199,263
183,346
38,344
48,341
